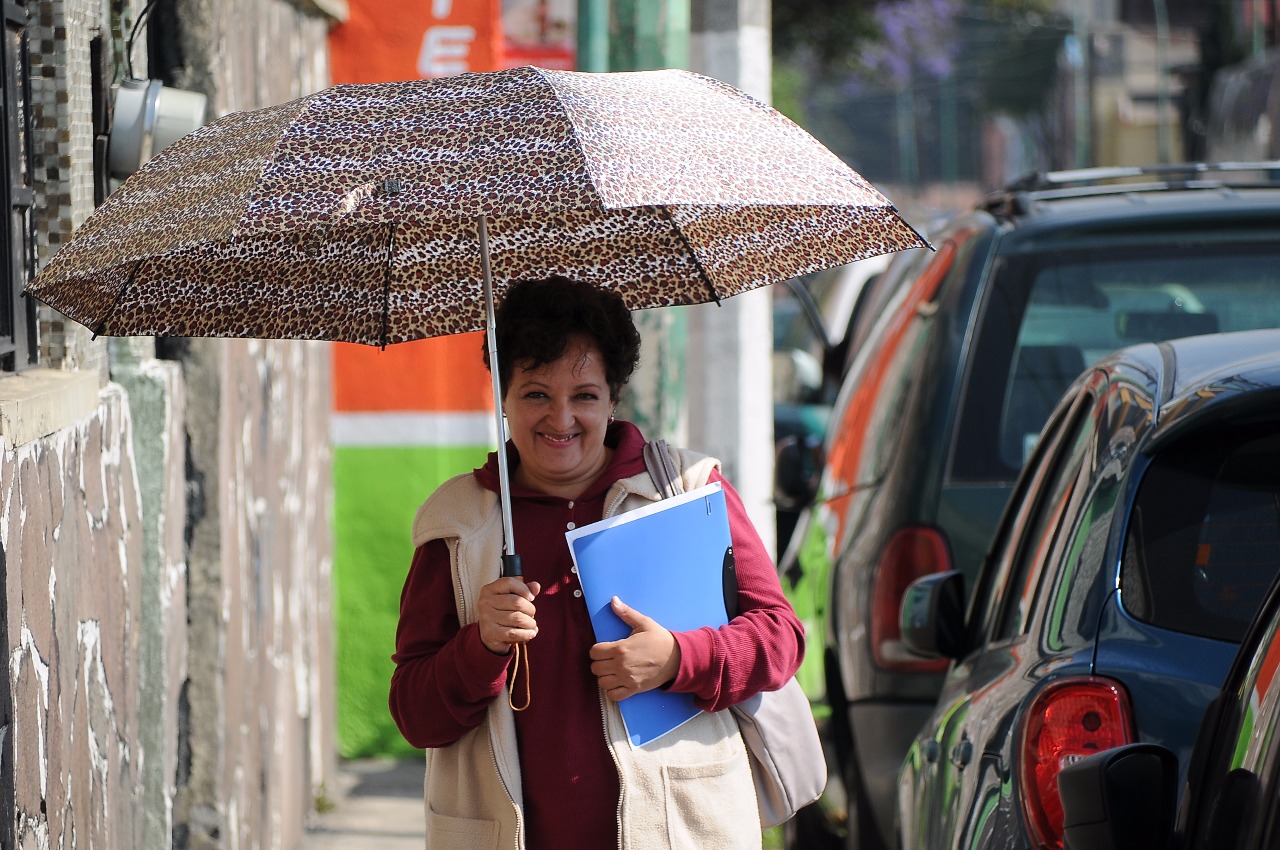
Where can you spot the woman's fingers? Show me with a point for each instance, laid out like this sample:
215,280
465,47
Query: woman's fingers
507,614
648,658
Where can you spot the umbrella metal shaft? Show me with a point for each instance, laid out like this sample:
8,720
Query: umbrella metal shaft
510,560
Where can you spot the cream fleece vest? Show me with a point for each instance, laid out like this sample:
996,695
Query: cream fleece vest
692,788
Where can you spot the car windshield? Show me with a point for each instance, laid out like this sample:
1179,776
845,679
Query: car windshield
1051,315
1203,541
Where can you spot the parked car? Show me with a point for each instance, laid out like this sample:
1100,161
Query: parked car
1135,551
816,321
970,348
1126,798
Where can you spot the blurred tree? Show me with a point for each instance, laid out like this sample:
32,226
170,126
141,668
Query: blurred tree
830,35
900,88
1011,50
823,34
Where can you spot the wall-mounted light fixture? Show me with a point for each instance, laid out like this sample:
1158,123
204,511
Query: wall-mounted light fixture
148,117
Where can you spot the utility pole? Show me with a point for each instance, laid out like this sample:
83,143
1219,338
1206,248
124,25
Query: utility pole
1162,81
636,35
730,373
1083,87
593,35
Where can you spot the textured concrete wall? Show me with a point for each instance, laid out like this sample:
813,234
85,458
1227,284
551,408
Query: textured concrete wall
71,537
261,682
156,398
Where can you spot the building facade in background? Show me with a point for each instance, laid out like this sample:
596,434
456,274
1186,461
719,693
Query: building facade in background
165,538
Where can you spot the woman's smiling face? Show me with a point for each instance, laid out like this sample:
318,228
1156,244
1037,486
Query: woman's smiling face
557,414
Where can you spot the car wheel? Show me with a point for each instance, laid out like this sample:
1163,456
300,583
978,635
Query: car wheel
860,827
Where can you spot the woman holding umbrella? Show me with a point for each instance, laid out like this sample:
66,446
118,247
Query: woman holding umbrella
549,765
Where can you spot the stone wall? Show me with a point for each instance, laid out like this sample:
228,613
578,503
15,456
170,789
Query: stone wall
261,683
73,554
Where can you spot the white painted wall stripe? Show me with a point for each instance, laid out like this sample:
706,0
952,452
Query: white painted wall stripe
404,428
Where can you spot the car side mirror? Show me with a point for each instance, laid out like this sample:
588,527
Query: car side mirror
932,616
796,468
1120,799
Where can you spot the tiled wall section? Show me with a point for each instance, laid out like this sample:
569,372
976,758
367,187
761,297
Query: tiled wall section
59,34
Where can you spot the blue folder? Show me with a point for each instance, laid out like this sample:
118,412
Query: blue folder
672,561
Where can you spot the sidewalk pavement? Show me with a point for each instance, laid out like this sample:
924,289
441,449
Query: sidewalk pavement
377,806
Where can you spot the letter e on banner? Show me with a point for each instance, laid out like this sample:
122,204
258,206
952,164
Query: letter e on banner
445,51
386,40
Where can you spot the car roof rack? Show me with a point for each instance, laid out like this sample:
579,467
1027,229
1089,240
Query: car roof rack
1019,196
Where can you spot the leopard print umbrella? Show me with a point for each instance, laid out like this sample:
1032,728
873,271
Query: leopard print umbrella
353,214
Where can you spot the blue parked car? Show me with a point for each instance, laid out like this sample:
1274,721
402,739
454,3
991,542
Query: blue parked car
1137,547
1125,798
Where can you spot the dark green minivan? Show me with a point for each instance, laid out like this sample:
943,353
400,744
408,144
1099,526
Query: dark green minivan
972,345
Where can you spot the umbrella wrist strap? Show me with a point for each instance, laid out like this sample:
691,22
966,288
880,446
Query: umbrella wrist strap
519,658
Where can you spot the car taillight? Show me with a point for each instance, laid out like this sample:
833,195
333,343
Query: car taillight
911,553
1069,720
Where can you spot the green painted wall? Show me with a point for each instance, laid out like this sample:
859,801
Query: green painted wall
377,491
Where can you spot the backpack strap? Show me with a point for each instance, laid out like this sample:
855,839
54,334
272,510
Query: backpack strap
657,459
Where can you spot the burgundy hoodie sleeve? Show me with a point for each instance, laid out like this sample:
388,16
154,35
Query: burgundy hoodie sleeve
445,678
762,647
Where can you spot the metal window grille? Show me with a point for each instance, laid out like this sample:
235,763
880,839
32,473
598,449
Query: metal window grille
17,314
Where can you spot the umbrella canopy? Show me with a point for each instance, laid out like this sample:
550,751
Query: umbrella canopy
358,213
388,212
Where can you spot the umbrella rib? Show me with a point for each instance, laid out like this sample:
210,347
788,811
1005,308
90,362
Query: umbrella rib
101,325
386,285
702,272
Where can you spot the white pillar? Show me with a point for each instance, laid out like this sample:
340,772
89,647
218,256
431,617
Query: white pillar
730,374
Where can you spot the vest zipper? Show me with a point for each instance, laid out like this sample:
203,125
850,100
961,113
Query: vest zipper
617,763
497,768
611,508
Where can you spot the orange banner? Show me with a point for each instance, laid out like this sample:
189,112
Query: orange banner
381,41
442,375
385,40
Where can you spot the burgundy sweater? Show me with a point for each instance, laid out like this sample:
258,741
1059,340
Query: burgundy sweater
445,677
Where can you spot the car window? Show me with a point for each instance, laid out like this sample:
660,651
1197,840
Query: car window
994,576
1203,542
854,440
1048,316
1072,612
905,363
1057,500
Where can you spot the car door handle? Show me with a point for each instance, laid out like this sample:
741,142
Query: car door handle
961,753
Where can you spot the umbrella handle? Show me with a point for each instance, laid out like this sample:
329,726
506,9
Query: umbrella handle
510,560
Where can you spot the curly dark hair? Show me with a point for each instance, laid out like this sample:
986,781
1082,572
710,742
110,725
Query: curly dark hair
537,318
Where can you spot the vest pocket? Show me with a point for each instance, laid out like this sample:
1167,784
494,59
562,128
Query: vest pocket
450,833
706,804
